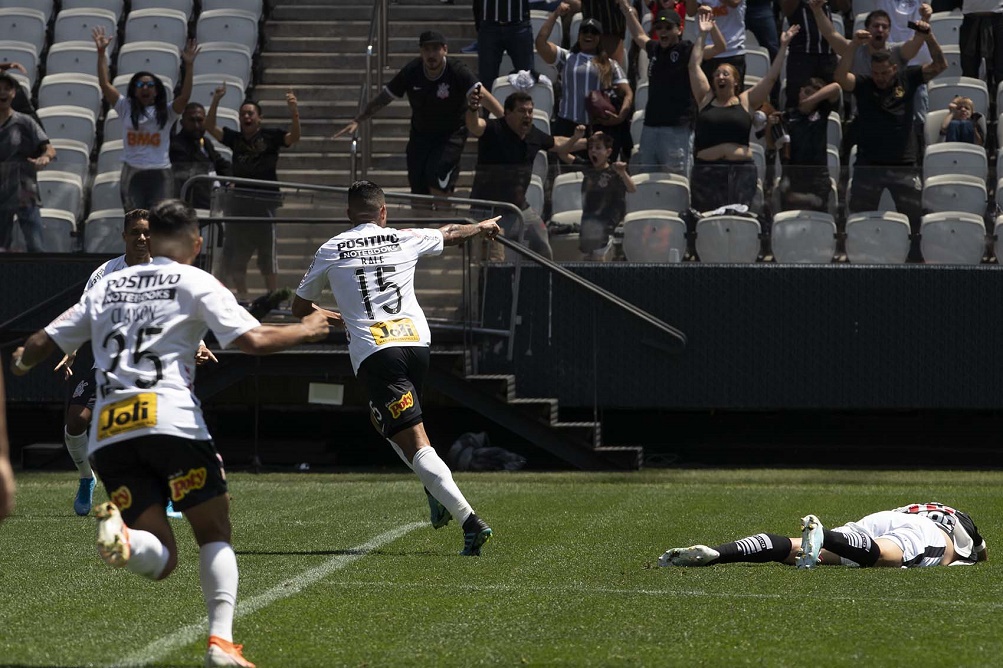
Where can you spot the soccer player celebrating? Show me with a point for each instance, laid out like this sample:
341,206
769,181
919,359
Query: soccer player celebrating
913,536
370,269
148,438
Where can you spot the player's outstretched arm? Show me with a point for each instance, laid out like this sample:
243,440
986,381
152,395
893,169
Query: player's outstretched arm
455,234
266,339
38,346
302,308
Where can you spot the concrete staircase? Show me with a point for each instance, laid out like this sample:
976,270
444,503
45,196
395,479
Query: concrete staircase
317,49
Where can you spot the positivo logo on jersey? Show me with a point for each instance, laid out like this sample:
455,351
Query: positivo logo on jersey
189,482
137,412
400,405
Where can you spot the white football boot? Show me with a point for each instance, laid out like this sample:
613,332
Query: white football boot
695,555
812,535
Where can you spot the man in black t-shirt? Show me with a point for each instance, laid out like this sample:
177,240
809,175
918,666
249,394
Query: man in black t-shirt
667,135
886,143
437,90
506,150
193,155
255,156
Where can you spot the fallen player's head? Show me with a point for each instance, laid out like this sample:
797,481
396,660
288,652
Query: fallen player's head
366,203
174,231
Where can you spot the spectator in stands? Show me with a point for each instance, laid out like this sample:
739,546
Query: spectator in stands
886,142
604,197
192,155
981,38
437,89
961,124
24,149
612,26
805,182
724,172
255,156
810,54
7,484
506,149
504,28
22,102
146,125
667,134
584,68
729,16
761,21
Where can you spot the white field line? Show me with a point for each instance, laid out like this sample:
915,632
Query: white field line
190,633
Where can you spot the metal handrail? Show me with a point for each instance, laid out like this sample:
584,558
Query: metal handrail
376,50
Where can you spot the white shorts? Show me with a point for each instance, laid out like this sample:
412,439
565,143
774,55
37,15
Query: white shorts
922,542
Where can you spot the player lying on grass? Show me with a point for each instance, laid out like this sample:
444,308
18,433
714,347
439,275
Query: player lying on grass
916,535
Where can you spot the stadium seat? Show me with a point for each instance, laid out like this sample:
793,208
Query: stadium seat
58,227
637,126
641,96
230,60
110,156
203,86
566,192
69,122
75,25
61,190
72,58
832,160
539,64
157,25
953,237
44,6
28,25
255,7
228,118
952,53
955,158
542,94
652,234
71,156
12,51
121,84
834,130
106,191
759,157
944,89
541,165
112,128
668,192
228,25
877,237
803,236
935,118
955,192
757,61
541,120
750,39
576,23
103,231
534,193
81,90
186,7
536,19
946,27
160,58
727,239
998,237
114,6
642,65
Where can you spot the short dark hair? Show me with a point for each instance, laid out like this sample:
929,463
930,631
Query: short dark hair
601,137
257,107
365,197
875,14
134,215
193,105
516,99
881,57
171,216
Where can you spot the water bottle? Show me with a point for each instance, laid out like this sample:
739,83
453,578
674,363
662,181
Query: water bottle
907,7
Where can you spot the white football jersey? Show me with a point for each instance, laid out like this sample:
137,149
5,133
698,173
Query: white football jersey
144,322
109,267
968,542
370,270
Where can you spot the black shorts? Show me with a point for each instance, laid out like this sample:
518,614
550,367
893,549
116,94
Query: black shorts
433,161
149,470
85,391
393,379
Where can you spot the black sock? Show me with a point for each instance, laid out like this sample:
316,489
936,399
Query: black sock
761,548
855,546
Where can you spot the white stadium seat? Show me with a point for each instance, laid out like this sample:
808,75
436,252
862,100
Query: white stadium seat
80,90
203,86
230,60
157,25
28,25
944,89
228,25
955,158
877,237
727,239
186,7
103,231
12,51
71,156
955,192
61,190
44,6
113,6
110,156
534,193
668,192
542,94
255,7
58,227
106,191
160,58
757,61
76,25
935,118
566,192
72,57
953,237
652,235
803,236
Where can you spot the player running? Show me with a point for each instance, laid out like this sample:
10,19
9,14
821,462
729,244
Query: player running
370,269
913,536
148,437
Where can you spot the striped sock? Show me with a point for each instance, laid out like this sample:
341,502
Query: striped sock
853,545
759,549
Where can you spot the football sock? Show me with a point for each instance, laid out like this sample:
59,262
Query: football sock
438,480
761,548
218,575
853,545
148,555
400,453
76,445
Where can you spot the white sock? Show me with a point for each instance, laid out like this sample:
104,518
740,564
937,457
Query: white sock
148,555
218,575
76,445
438,480
400,453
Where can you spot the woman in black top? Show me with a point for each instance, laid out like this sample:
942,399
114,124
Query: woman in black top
724,172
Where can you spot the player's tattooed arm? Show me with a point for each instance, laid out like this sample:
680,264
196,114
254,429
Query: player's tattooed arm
455,234
302,308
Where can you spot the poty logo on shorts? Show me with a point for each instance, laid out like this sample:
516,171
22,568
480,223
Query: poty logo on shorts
121,497
191,481
397,407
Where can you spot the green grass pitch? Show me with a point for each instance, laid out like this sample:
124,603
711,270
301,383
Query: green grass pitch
344,570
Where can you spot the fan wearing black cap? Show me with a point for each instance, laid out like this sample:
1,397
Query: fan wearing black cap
586,67
667,133
437,89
